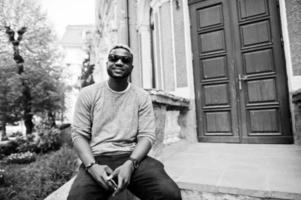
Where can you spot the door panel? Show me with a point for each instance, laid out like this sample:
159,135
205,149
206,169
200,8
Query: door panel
217,109
212,42
260,65
252,8
256,33
259,61
240,85
214,67
264,121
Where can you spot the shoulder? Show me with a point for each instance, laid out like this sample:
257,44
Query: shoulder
91,90
139,91
141,94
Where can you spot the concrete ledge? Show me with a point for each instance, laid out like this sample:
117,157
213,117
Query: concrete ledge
62,192
229,171
170,100
189,190
239,171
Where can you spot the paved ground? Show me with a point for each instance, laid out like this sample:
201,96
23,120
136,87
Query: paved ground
245,169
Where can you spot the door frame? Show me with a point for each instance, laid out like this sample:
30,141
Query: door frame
287,59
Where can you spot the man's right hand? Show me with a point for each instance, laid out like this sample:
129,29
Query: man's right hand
101,173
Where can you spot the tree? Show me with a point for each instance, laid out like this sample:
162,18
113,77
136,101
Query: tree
38,50
86,77
10,94
87,73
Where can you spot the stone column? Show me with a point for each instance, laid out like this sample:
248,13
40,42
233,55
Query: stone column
123,31
146,60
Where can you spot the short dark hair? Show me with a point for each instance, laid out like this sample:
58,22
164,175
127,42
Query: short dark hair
122,46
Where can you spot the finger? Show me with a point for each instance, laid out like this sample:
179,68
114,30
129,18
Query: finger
114,173
120,183
110,181
126,183
108,170
114,193
118,187
106,179
104,184
114,185
111,176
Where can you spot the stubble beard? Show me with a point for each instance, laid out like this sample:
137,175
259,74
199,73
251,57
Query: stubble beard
124,76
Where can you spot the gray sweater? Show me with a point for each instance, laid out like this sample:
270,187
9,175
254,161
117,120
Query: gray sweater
112,121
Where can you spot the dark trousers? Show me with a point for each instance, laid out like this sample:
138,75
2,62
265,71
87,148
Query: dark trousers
148,182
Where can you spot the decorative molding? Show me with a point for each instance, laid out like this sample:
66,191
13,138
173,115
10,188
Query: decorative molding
156,4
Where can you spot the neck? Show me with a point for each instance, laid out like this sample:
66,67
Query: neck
118,84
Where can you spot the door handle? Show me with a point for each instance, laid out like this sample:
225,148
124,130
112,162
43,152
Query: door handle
240,79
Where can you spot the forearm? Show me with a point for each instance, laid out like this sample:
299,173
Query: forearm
142,148
83,150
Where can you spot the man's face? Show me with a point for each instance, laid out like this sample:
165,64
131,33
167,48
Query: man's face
119,64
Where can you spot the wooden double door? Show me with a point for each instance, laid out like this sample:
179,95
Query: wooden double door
239,69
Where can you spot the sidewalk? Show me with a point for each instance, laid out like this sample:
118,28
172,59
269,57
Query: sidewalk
253,170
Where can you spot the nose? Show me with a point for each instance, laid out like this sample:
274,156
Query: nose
119,62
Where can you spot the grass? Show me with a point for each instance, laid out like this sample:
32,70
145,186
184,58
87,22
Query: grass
37,180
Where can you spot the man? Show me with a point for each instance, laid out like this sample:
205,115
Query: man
113,131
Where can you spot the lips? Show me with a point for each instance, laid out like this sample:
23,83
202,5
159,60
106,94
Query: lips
118,70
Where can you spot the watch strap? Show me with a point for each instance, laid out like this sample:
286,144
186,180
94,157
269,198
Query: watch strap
135,162
90,165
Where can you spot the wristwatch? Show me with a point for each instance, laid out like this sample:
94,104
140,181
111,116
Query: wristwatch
90,165
135,162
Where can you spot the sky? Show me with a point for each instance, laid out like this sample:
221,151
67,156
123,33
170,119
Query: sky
69,12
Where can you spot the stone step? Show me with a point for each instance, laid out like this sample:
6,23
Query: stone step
188,191
206,192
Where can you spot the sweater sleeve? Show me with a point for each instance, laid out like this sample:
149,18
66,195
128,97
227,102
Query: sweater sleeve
82,122
146,126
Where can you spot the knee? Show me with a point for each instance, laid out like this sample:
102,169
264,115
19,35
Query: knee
171,192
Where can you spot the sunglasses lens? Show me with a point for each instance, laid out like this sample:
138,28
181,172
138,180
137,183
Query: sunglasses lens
113,58
124,59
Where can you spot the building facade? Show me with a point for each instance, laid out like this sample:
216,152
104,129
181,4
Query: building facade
237,61
75,47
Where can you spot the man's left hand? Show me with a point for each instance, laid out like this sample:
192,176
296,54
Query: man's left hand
123,173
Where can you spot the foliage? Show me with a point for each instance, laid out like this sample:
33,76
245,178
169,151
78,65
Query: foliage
10,95
21,158
39,50
47,140
16,134
38,179
8,148
26,144
2,176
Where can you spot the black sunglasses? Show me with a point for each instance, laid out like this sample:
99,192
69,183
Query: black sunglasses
124,59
